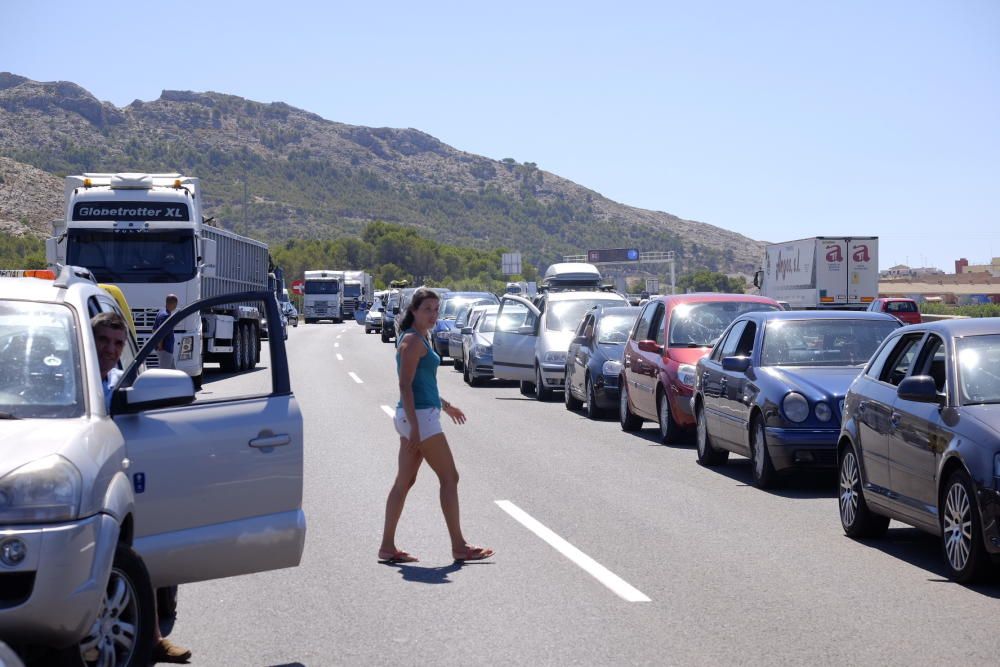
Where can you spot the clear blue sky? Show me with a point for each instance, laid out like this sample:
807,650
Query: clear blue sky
779,119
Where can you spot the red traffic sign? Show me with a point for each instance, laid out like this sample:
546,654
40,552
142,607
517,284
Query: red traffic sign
297,286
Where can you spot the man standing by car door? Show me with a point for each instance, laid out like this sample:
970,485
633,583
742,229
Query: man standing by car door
165,350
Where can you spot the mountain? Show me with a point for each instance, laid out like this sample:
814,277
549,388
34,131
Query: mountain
308,177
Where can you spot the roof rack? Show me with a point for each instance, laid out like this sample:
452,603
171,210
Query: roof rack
69,275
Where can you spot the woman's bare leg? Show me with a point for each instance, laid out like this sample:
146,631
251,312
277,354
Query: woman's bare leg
438,456
409,463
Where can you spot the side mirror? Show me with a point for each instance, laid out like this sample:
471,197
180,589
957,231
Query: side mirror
208,257
160,388
919,389
395,311
758,279
526,330
466,331
736,364
650,346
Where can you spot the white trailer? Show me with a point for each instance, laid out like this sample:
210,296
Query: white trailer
322,294
146,234
835,272
358,286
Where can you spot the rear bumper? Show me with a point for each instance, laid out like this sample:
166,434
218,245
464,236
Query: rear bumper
802,448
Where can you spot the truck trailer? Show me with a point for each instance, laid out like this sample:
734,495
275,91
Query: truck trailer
358,286
146,234
823,272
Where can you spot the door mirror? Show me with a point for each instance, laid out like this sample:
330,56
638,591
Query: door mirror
160,388
920,389
650,346
736,364
208,257
466,331
526,330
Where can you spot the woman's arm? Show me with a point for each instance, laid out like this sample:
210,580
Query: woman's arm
411,351
455,413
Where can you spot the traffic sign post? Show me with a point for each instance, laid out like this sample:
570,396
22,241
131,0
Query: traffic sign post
510,263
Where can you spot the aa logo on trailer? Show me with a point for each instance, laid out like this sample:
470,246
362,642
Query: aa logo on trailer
834,253
861,254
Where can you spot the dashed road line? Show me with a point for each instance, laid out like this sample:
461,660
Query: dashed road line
336,344
340,357
389,411
354,376
617,585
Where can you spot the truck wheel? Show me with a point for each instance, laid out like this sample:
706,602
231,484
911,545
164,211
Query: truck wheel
122,634
238,357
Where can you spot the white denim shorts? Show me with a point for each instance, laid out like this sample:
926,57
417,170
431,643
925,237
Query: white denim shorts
428,419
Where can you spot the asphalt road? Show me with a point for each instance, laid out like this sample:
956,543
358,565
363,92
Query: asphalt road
732,574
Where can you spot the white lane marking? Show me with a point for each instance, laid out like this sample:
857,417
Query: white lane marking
618,585
354,376
389,411
336,344
340,357
338,336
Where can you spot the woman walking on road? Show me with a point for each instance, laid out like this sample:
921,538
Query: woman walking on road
418,422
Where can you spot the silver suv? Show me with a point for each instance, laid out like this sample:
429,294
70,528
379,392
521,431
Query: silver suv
100,504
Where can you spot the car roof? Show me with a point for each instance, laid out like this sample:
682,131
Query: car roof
579,296
618,310
973,326
705,297
768,315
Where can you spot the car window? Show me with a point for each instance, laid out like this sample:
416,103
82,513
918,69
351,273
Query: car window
516,318
584,323
902,307
566,315
641,331
613,329
978,364
899,362
875,367
131,346
656,328
744,348
700,324
40,369
823,342
728,348
932,362
487,323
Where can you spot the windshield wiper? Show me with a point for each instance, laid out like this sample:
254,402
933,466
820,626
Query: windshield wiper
8,415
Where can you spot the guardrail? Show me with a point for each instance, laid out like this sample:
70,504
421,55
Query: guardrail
936,317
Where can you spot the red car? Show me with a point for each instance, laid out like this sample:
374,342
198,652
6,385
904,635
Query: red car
904,310
671,334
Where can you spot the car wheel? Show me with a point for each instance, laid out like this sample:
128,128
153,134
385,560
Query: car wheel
858,521
961,530
572,402
459,364
628,421
763,469
593,411
122,634
708,454
385,337
669,430
527,388
466,375
541,393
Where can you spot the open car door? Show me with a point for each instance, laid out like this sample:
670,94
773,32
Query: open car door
514,339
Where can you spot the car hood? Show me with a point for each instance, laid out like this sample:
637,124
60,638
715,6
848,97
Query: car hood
555,341
688,355
26,440
814,381
613,352
987,415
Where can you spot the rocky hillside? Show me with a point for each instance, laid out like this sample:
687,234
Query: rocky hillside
307,177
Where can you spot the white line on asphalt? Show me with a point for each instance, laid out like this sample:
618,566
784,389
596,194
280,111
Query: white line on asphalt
355,377
618,585
389,411
340,357
336,344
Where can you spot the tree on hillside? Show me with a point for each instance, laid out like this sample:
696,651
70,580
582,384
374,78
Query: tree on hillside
711,281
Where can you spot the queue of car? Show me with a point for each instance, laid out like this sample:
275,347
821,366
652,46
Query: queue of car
909,416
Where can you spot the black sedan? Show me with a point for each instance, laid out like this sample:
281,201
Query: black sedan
594,359
773,387
920,441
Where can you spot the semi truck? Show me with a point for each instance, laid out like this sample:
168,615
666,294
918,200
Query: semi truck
323,290
358,286
146,234
823,272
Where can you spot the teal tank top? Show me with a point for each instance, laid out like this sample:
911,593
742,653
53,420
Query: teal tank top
425,387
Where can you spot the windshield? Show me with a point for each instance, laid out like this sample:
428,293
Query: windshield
614,329
822,342
453,307
566,315
488,324
39,366
352,290
699,324
137,257
979,369
322,287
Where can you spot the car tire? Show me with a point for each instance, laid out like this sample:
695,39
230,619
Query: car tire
669,430
459,364
572,402
964,552
129,600
466,375
527,388
385,337
708,454
593,411
763,469
856,518
629,422
541,392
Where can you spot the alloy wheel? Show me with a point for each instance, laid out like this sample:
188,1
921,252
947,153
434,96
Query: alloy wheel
849,484
957,526
702,434
112,638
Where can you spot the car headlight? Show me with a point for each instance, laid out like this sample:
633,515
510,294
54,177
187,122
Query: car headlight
44,490
187,348
686,374
795,407
823,412
482,350
554,357
611,368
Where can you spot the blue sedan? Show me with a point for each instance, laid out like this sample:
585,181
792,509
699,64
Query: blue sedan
773,387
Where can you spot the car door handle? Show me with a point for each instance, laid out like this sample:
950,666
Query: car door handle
894,419
268,439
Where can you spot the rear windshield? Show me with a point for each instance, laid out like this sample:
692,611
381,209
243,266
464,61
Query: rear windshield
699,324
838,342
901,307
39,365
566,315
